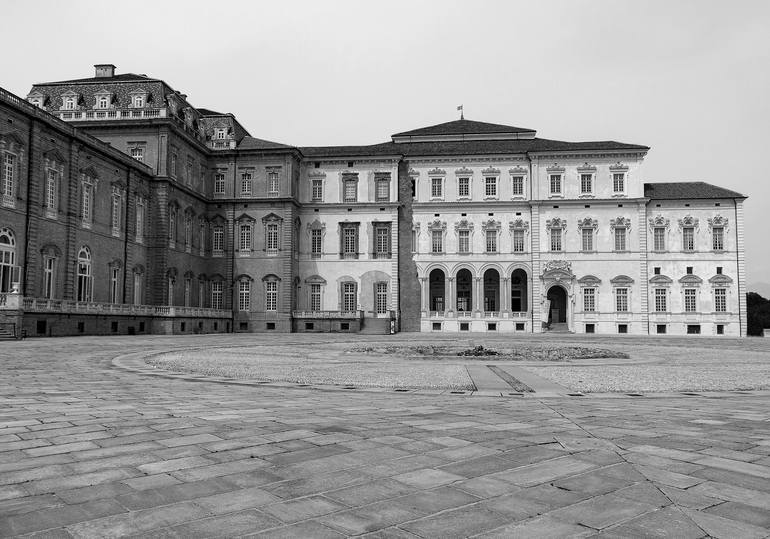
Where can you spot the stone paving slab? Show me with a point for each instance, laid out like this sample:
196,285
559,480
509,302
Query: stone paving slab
91,450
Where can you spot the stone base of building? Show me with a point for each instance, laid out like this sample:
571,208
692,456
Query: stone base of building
60,325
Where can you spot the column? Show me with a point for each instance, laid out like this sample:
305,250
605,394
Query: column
477,297
505,294
425,298
451,300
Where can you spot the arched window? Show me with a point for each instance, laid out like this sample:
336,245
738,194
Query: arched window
7,259
85,277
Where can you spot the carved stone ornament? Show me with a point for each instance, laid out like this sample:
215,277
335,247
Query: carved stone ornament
316,225
316,174
587,223
589,280
557,271
661,280
720,279
555,168
618,167
622,280
563,265
437,224
586,168
464,171
413,172
518,171
464,224
717,221
620,222
437,172
519,224
690,280
659,221
556,222
490,224
689,221
491,171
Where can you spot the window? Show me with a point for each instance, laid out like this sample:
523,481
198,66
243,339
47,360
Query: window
7,260
413,184
139,220
244,295
518,241
555,184
271,238
382,241
49,275
437,241
688,238
414,240
659,238
491,243
348,297
315,297
170,280
9,180
221,132
316,243
689,300
102,102
318,190
216,294
556,239
350,186
85,279
137,101
620,239
219,184
381,298
588,239
718,238
87,203
201,292
660,300
172,226
138,154
382,189
463,241
173,164
490,187
187,232
464,187
720,300
621,300
201,237
245,237
660,329
273,184
69,103
350,241
51,193
586,184
116,207
246,184
517,186
271,295
114,284
622,328
437,187
618,182
589,299
693,329
188,178
218,240
137,288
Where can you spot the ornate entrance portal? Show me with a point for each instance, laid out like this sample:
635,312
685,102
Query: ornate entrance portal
557,297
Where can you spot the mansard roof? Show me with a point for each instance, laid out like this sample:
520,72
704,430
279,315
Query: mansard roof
252,143
123,77
464,127
687,190
209,112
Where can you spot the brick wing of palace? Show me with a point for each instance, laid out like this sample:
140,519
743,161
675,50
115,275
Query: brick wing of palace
125,209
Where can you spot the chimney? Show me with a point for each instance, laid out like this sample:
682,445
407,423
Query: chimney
104,70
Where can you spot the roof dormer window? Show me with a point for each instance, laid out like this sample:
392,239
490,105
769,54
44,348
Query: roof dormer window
221,133
102,102
137,101
69,102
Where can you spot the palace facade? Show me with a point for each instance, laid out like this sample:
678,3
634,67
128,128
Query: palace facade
125,209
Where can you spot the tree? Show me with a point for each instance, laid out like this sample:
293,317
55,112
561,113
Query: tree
758,313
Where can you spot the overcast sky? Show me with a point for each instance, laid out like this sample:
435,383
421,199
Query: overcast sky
690,79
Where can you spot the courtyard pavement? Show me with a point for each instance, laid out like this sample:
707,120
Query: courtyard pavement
89,449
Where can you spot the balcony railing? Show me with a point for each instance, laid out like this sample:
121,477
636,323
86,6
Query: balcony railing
222,144
93,307
109,114
327,314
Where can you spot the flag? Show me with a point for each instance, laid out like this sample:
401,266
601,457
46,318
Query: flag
460,107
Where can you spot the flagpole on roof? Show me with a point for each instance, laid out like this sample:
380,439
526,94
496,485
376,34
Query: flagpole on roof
460,108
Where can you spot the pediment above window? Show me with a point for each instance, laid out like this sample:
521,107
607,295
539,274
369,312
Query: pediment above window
586,168
720,279
316,225
689,221
413,172
620,222
518,171
217,219
587,223
216,277
243,277
437,172
245,218
315,279
53,156
661,280
464,224
50,250
171,273
555,169
464,171
618,167
490,224
589,280
691,280
437,224
89,172
271,277
717,221
491,171
11,141
519,224
316,174
557,271
138,269
622,280
659,221
272,217
556,222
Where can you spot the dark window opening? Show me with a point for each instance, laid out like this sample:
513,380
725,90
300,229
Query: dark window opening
244,326
269,326
436,326
114,327
81,327
661,329
590,328
720,329
519,326
465,326
41,326
693,329
141,327
309,325
345,326
656,271
182,327
491,326
622,328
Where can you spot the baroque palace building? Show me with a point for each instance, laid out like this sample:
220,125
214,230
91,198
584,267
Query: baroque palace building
125,209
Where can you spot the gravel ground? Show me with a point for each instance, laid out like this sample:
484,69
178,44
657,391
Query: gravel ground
252,365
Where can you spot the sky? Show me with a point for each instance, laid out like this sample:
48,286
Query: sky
690,79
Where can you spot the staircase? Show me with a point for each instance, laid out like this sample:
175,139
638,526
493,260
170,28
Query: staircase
375,326
559,328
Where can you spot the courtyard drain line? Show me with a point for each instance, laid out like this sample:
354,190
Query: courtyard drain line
515,383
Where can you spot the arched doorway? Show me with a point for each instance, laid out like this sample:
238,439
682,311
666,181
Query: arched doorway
491,290
436,283
519,298
558,298
464,291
